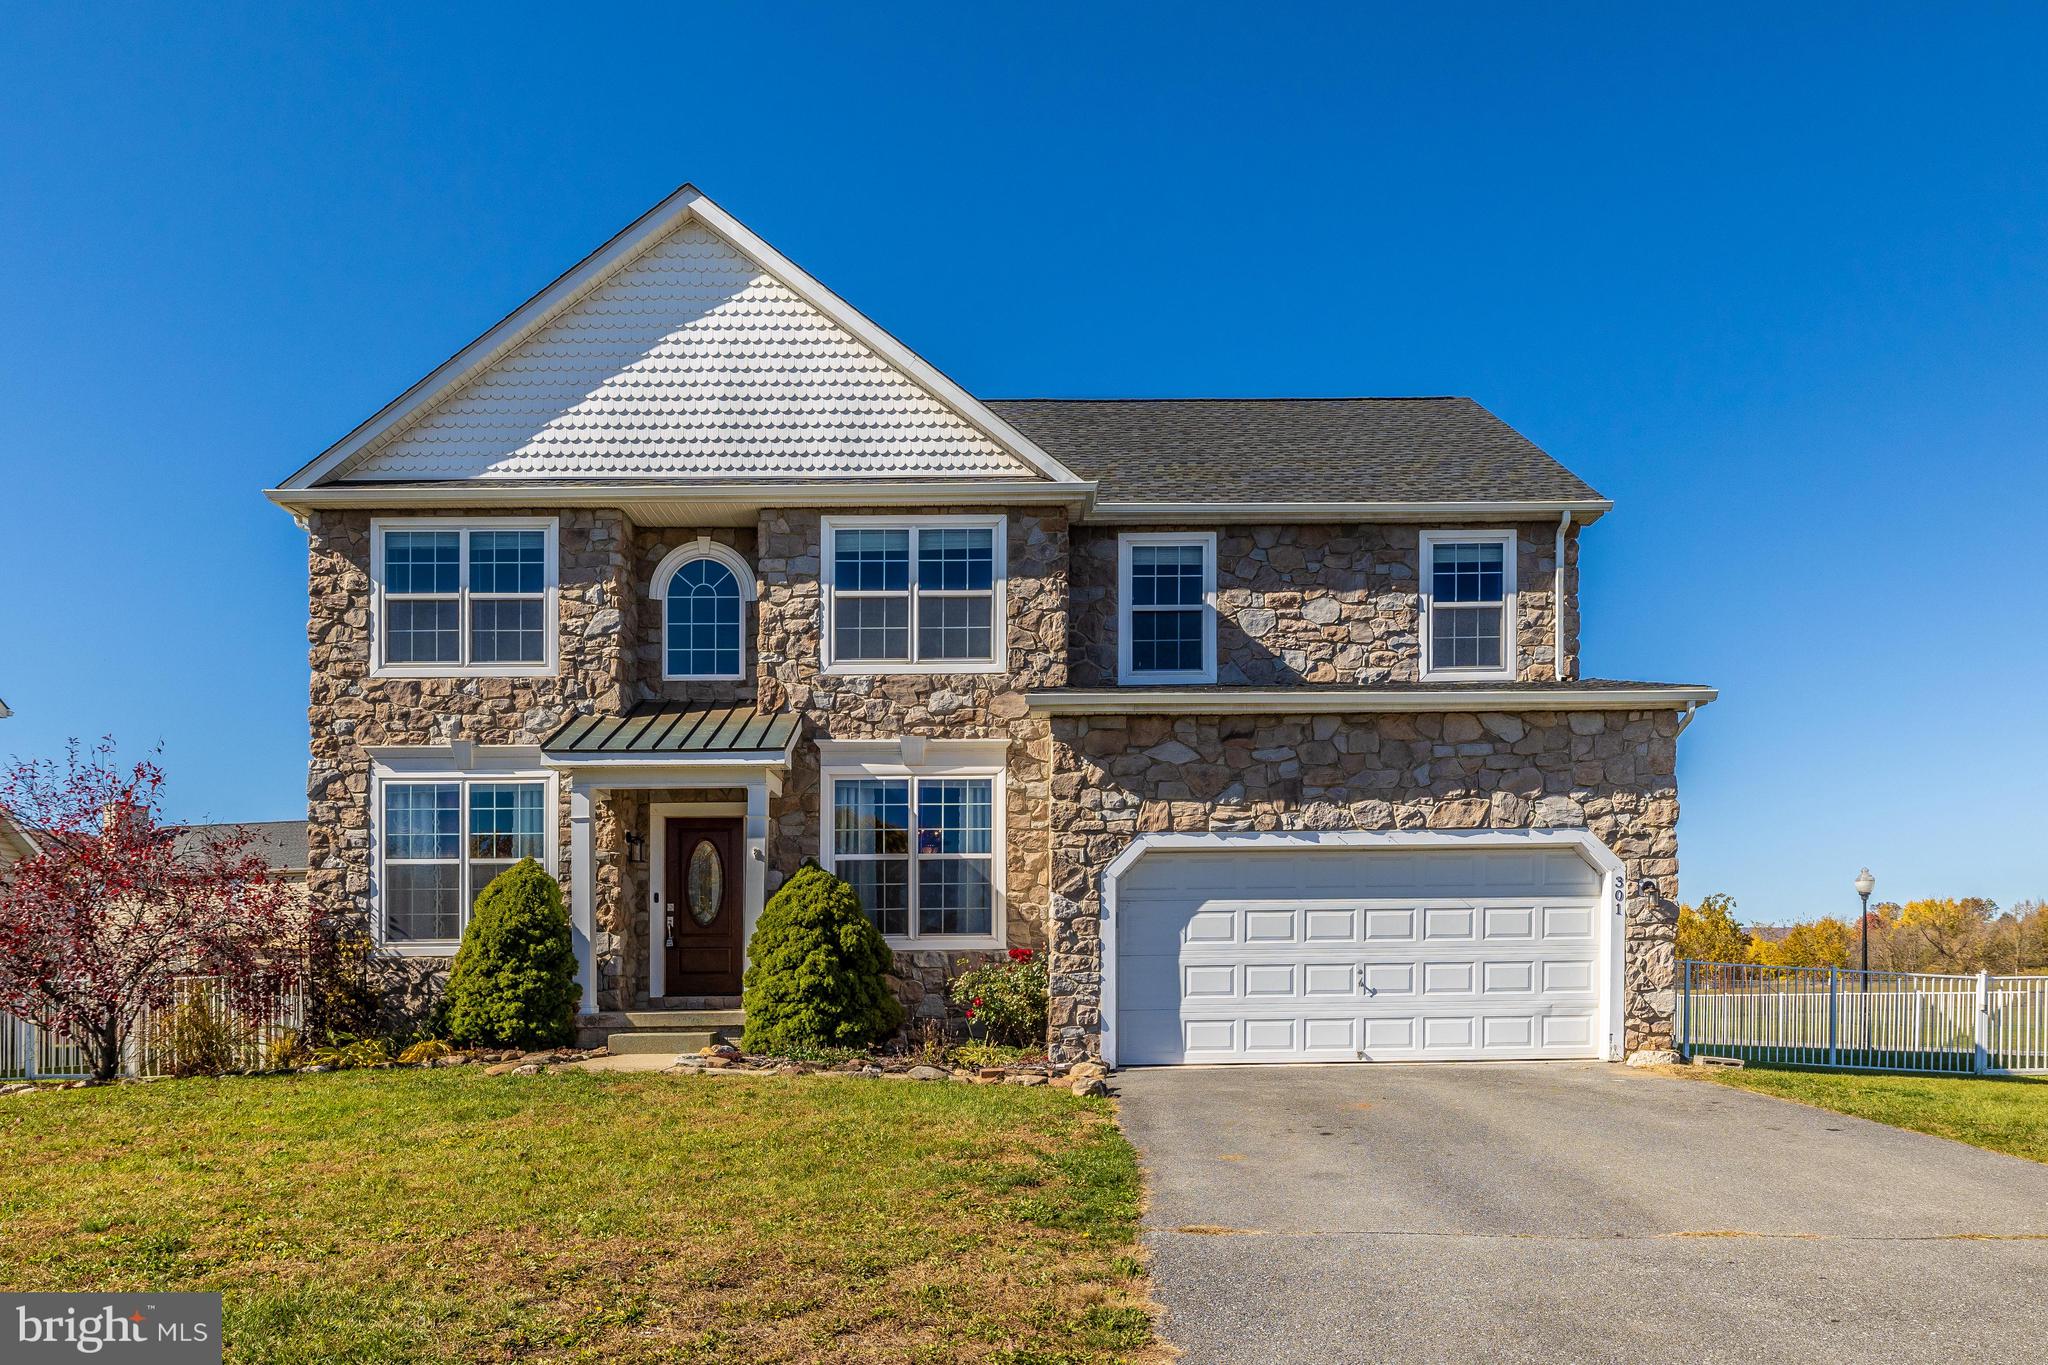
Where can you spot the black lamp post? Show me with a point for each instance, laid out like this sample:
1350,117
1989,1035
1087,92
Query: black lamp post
1865,883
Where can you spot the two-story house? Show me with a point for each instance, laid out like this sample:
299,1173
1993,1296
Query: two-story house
1263,717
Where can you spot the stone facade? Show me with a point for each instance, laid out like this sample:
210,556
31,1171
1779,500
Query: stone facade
351,711
1298,604
1323,604
1611,773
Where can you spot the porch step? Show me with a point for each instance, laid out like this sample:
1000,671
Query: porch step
673,1041
673,1031
694,1002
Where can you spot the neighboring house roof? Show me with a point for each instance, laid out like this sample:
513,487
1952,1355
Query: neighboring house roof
4,712
1288,450
684,348
280,843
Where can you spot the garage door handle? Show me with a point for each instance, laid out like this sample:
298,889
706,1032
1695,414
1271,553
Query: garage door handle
1361,981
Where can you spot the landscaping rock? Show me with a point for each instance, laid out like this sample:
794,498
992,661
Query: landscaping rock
499,1069
1090,1086
22,1089
719,1061
1027,1079
925,1073
991,1073
1083,1070
1653,1057
526,1069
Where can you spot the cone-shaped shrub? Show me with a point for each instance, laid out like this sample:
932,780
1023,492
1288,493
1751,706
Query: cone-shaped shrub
815,970
514,982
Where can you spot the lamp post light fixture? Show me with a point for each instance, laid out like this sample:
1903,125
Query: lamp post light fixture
1865,884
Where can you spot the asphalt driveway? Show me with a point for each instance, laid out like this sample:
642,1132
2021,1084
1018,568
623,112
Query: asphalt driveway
1570,1211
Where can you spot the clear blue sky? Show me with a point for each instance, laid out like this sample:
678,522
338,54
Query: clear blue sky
1774,282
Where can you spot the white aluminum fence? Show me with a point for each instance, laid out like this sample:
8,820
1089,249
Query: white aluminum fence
246,1034
1864,1021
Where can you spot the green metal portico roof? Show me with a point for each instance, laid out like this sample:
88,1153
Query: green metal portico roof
665,729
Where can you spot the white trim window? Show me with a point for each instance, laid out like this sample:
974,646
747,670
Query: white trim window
923,595
922,847
440,841
1166,607
703,588
1468,605
463,598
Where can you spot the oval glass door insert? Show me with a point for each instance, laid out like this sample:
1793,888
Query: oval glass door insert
706,883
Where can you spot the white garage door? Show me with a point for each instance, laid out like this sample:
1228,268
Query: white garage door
1389,954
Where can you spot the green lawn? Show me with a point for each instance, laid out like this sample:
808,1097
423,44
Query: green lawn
2005,1115
386,1216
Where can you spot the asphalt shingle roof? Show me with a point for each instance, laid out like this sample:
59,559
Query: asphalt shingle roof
1293,449
280,843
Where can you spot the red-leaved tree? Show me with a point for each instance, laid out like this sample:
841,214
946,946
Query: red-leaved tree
97,926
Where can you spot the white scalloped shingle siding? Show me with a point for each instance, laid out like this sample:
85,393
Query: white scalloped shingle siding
690,362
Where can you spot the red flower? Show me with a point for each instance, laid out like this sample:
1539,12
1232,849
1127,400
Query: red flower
1020,954
977,1001
970,1014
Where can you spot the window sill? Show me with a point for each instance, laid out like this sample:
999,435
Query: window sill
897,668
1467,675
944,943
1204,679
458,671
447,948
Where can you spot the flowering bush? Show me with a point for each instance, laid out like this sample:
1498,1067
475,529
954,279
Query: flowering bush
1007,998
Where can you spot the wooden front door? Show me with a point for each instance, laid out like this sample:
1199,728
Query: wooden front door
701,907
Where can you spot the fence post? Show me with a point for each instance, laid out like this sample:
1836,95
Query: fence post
1834,1004
1983,1058
1685,1016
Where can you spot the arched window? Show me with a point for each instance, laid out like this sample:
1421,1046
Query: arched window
704,589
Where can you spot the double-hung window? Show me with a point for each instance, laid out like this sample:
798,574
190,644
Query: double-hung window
923,596
455,598
442,840
1468,604
921,850
1166,607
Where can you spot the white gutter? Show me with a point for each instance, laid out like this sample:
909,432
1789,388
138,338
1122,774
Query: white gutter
1211,512
484,493
1296,701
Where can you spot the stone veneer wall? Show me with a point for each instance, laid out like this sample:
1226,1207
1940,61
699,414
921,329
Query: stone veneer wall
941,706
1320,604
1115,777
350,711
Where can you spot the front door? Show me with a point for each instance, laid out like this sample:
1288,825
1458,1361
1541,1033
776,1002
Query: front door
701,890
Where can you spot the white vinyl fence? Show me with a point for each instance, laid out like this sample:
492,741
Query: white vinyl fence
1864,1021
246,1034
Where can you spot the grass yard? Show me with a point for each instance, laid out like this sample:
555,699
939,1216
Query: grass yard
2005,1115
385,1216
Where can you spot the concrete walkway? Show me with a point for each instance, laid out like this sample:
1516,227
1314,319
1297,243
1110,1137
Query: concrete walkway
1570,1212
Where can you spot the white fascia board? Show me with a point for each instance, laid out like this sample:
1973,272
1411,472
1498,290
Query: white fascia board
851,493
598,266
1212,512
1361,701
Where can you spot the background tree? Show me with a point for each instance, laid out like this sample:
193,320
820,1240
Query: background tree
1953,935
1707,932
1825,942
97,926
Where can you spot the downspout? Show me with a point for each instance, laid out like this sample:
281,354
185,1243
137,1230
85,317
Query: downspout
1564,521
1685,717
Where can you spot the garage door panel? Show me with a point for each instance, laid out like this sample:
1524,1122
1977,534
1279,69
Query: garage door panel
1369,954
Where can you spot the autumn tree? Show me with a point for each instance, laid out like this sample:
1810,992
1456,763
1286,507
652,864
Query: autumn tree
116,905
1825,942
1953,935
1707,932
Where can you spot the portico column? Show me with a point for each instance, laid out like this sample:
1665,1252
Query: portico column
756,855
583,892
